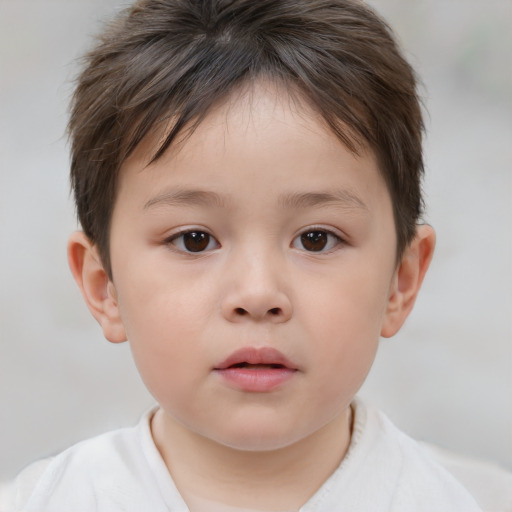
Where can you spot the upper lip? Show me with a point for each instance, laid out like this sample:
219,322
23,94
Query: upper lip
260,355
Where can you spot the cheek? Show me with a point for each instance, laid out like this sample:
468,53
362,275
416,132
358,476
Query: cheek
350,304
160,299
346,323
163,321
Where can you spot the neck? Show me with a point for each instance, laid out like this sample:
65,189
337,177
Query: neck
205,471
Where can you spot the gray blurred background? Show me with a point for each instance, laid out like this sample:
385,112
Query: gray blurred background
446,378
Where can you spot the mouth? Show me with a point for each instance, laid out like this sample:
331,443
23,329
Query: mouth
256,370
256,358
261,366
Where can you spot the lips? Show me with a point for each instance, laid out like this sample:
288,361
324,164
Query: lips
256,369
265,356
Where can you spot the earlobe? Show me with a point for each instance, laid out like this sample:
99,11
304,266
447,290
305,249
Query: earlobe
408,279
97,289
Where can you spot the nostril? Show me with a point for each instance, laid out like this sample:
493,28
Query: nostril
240,311
274,311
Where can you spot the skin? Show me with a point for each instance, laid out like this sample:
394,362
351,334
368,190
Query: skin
256,161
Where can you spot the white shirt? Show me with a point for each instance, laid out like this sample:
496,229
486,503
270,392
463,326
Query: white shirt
384,471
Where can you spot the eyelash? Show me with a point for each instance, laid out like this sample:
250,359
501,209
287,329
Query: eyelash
181,236
332,240
205,241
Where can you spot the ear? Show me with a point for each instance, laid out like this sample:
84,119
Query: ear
407,280
97,289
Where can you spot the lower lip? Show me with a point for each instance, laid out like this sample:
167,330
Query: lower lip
256,380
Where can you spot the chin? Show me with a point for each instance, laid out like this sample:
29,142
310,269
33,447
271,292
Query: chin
257,437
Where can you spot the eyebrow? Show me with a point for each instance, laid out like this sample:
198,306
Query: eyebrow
186,198
294,200
344,198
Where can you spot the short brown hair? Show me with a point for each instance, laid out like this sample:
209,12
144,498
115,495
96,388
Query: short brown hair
174,59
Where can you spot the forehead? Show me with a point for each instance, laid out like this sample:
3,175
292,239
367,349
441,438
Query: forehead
259,163
260,133
255,106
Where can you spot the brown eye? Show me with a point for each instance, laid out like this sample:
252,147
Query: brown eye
314,240
194,241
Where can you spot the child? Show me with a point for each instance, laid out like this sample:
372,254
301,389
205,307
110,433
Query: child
247,176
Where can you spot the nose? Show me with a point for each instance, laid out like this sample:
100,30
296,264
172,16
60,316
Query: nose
256,293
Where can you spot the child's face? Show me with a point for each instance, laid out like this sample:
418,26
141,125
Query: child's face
261,240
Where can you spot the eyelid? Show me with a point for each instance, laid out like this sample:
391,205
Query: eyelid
168,241
340,237
321,227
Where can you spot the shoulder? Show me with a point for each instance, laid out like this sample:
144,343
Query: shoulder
387,471
96,474
490,484
440,474
419,478
14,495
